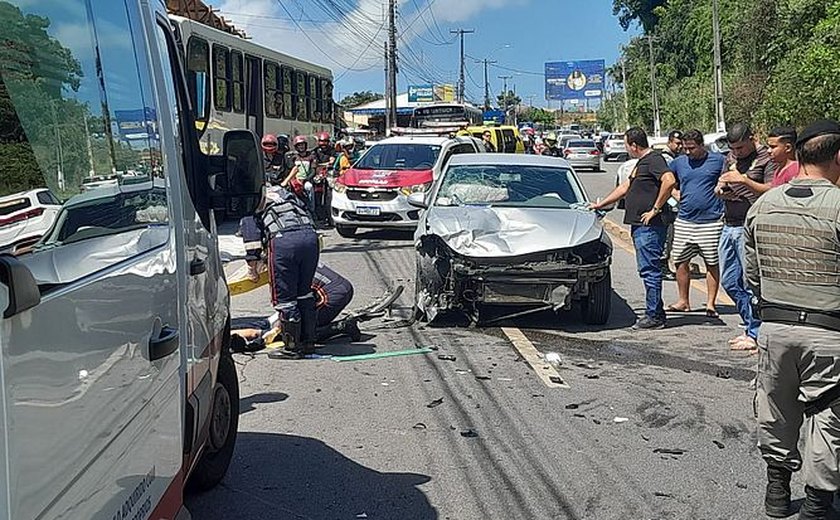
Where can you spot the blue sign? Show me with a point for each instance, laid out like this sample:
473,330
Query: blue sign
421,93
136,124
494,116
574,80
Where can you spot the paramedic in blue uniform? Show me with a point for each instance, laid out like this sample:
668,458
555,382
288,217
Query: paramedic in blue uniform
286,231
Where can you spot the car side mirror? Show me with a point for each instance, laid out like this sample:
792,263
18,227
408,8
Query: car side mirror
237,177
418,200
23,291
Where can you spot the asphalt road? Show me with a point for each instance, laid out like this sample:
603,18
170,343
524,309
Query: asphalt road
648,425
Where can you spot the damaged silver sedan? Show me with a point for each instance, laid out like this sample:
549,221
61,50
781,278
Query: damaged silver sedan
511,230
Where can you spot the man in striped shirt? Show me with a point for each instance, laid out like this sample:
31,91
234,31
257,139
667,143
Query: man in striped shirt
698,226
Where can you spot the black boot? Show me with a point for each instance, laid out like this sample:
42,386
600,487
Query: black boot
308,324
347,327
290,336
817,505
777,498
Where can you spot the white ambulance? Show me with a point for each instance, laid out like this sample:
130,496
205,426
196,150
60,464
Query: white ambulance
117,389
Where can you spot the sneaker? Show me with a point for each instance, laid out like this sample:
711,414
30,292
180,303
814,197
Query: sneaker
649,324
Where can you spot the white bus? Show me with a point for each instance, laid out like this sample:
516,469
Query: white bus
446,114
235,83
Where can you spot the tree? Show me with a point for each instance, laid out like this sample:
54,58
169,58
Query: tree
646,12
510,100
360,98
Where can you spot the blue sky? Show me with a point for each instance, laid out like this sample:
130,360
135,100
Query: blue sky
351,43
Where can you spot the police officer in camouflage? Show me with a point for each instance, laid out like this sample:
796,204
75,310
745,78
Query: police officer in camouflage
793,266
287,231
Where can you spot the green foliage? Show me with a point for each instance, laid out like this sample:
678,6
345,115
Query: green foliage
509,100
360,98
537,115
781,62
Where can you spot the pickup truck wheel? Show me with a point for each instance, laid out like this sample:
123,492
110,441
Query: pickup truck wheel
224,423
595,308
345,231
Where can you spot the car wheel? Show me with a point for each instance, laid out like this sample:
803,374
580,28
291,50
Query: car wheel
224,423
595,308
345,231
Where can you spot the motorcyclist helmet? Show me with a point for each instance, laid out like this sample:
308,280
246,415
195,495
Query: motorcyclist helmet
269,143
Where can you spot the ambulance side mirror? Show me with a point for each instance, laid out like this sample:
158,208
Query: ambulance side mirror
237,176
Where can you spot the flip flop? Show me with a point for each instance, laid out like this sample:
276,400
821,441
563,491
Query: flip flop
673,308
711,313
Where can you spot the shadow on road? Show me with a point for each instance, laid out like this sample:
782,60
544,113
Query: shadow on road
621,316
246,404
364,246
288,477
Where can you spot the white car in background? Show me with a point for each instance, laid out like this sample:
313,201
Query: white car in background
614,147
25,217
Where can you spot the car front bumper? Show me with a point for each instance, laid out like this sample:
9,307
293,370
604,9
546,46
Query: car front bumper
367,208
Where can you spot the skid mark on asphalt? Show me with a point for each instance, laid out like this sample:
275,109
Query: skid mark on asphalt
547,374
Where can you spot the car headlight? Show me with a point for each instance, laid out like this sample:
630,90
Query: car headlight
339,186
417,188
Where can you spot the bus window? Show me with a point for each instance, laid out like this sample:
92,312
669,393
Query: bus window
301,96
312,99
289,97
221,77
198,78
273,95
328,101
237,75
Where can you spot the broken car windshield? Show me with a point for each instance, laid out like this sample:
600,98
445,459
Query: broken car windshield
509,185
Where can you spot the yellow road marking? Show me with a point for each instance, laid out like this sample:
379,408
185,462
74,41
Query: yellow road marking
620,235
532,356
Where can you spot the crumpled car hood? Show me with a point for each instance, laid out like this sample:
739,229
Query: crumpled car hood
488,232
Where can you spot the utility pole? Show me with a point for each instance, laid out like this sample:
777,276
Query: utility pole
387,90
392,60
626,100
461,85
505,95
657,125
486,82
719,119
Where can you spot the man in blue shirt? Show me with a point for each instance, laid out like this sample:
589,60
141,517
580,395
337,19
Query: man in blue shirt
698,227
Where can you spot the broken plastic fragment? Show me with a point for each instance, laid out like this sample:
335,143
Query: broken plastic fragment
469,433
572,406
483,378
619,420
553,359
669,451
719,444
419,426
446,357
435,403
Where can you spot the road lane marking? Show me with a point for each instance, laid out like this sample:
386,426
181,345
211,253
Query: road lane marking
619,235
533,357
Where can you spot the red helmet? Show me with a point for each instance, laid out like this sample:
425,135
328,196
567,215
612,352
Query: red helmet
299,140
323,137
269,143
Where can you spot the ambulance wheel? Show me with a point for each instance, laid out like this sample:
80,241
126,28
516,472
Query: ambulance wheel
345,231
224,423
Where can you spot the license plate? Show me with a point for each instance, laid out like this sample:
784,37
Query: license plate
370,211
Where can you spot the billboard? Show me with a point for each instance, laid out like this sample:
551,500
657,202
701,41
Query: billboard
580,80
421,93
445,93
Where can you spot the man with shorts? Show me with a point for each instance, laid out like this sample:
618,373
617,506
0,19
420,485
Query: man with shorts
698,227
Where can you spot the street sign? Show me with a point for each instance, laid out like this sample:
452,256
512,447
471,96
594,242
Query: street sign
421,93
579,80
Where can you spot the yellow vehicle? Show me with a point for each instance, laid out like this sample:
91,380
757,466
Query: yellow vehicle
505,138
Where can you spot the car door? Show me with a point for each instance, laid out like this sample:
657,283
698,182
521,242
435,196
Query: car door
91,374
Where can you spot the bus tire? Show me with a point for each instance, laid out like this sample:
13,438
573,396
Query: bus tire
224,423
